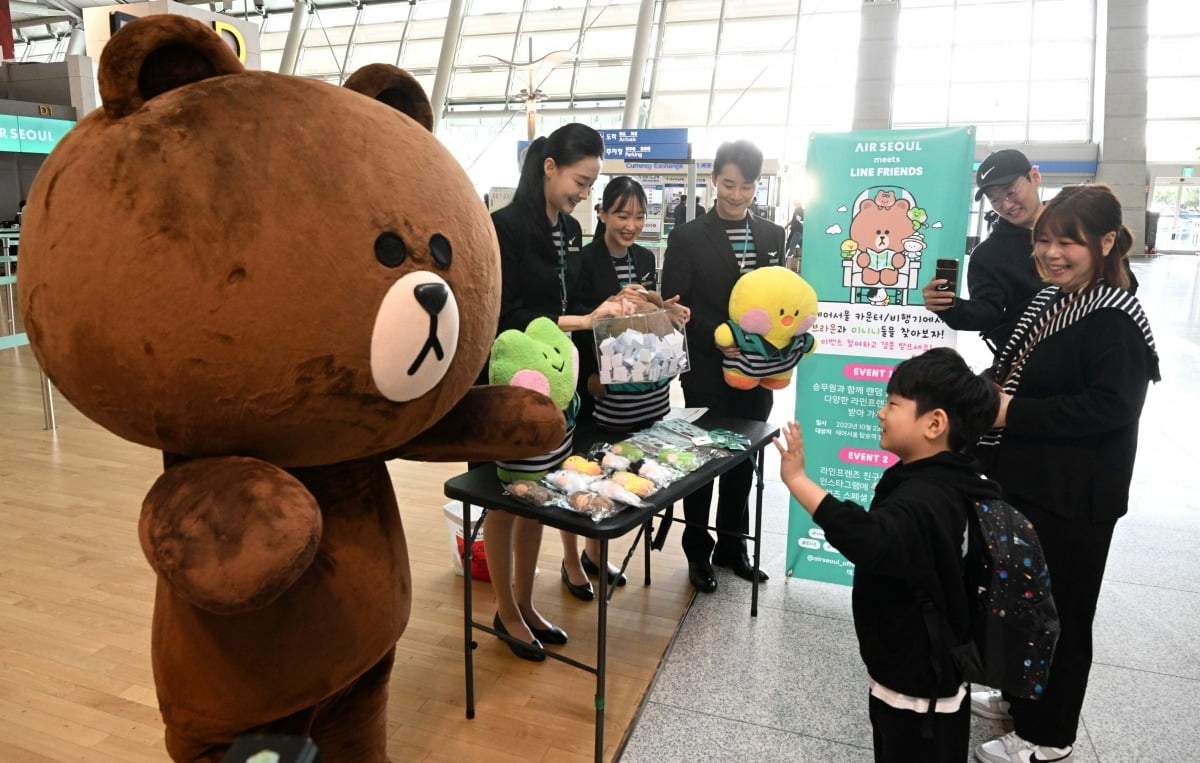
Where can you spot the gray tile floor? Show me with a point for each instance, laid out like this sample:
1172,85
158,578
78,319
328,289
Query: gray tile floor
789,686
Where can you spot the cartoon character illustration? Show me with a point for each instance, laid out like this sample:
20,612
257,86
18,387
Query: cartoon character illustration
849,248
914,245
771,310
887,253
918,216
275,391
878,297
879,231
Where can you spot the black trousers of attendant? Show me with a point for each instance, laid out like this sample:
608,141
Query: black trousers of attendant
899,737
705,387
1076,552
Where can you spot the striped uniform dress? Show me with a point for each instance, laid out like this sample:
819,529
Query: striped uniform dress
539,466
626,406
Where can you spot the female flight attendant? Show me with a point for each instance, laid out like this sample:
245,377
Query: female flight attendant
615,265
539,263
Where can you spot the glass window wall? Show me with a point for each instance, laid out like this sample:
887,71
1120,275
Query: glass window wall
1018,69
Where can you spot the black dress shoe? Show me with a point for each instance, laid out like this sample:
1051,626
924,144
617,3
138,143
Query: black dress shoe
582,591
552,635
740,566
702,577
531,652
592,568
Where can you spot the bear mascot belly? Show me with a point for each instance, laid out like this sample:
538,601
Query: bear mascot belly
280,284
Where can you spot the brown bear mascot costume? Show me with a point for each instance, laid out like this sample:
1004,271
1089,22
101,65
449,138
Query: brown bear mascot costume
280,284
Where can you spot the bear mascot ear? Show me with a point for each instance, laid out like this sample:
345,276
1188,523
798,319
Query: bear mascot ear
395,87
157,54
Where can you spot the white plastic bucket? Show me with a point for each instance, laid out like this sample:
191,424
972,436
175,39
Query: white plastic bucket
453,512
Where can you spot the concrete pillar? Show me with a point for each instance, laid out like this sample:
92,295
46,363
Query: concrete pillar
1122,39
877,46
445,69
84,86
295,38
637,65
77,43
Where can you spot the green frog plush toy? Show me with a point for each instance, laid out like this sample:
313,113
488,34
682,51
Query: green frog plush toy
544,359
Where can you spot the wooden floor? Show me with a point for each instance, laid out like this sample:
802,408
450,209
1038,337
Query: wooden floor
76,596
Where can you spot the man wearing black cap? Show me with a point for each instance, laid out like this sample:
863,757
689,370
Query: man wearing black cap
1002,277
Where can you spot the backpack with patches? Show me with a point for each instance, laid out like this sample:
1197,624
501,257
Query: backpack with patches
1014,623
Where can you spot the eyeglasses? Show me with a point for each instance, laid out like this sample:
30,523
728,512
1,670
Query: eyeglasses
1003,197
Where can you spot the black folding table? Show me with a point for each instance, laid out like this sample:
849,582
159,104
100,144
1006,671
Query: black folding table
481,487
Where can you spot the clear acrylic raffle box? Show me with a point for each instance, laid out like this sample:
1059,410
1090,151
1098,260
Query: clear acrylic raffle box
642,348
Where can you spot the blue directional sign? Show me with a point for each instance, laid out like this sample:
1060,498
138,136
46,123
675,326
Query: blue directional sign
645,135
646,144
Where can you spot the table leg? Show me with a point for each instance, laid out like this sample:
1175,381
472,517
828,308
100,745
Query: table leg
649,531
468,555
601,648
757,532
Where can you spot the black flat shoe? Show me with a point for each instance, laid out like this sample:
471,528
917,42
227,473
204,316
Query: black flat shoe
740,566
582,591
531,652
592,568
702,577
552,635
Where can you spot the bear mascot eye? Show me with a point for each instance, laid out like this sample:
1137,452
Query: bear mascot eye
390,250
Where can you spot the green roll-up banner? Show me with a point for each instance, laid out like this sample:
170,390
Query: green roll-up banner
884,206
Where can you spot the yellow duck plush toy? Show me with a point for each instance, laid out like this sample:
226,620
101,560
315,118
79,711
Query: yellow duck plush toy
771,310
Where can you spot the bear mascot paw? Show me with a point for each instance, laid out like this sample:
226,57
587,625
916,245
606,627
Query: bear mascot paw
771,310
280,284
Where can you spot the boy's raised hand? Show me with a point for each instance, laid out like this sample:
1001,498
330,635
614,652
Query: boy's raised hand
791,469
791,459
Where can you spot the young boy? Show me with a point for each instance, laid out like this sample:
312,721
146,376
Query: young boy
909,549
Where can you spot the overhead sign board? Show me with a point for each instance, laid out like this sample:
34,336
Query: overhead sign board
31,135
646,144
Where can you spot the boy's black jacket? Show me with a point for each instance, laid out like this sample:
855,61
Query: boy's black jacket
911,540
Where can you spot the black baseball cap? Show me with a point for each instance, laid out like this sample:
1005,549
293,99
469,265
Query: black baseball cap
1000,168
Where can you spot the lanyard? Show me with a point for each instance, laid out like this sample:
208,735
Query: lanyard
630,269
747,240
562,264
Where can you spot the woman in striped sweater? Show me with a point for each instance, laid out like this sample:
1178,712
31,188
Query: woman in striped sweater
1073,378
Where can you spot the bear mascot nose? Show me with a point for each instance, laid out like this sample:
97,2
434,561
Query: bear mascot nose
431,296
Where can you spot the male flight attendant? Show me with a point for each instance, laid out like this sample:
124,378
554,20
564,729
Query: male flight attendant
704,259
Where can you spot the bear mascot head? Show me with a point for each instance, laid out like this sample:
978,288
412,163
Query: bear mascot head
280,284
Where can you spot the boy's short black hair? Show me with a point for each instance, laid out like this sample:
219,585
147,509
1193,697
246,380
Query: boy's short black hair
940,378
747,156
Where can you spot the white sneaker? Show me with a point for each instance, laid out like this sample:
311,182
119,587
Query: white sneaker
990,704
1011,748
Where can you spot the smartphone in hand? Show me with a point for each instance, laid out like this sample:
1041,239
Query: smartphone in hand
947,270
